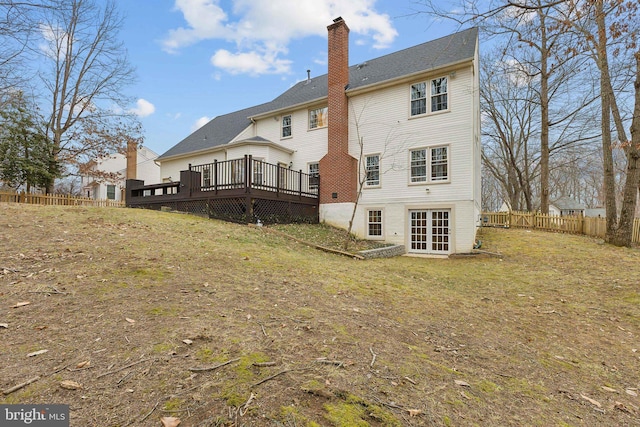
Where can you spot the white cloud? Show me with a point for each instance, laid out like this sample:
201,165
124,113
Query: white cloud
518,73
200,122
205,20
249,63
54,40
262,30
143,108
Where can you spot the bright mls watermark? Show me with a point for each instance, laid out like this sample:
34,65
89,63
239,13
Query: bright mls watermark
34,415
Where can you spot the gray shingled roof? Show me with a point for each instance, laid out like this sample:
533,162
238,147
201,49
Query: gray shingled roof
423,57
567,203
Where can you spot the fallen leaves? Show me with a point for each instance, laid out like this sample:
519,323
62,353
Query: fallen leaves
622,407
84,364
414,412
70,385
4,325
21,304
129,320
37,353
592,401
170,421
462,383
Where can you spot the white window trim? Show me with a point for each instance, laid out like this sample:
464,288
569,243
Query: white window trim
411,100
431,95
290,126
309,118
366,223
431,207
379,184
428,111
309,173
429,180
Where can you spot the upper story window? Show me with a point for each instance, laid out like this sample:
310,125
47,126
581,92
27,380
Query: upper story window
372,168
286,126
439,164
439,96
418,99
430,164
318,118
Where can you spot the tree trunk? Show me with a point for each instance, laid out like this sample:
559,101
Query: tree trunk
624,231
605,100
544,117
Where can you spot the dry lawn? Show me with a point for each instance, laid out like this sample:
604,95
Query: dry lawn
131,305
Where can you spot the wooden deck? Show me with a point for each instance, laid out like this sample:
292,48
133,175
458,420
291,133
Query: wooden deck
240,190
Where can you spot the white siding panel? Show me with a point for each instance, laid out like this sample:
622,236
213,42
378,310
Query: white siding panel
308,145
172,168
382,120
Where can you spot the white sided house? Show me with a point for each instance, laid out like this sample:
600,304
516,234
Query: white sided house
403,128
105,177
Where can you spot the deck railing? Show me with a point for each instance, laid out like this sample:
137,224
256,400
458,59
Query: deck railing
248,173
240,190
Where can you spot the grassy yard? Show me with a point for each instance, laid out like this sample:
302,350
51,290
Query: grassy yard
146,315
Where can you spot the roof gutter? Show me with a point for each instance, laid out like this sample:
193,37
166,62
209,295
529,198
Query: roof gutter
225,147
287,108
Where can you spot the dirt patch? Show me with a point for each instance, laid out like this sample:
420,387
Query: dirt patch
154,314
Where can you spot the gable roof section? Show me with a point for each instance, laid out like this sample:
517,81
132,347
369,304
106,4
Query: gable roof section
427,56
567,203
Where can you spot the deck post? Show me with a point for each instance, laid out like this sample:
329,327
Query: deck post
300,183
215,176
247,173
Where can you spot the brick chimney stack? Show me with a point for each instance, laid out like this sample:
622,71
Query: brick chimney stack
338,169
132,160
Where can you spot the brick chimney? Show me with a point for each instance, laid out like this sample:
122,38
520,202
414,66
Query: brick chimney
338,169
132,159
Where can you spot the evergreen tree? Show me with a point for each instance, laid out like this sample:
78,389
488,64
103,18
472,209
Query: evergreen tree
26,158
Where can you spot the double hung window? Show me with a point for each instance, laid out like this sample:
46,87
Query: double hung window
436,90
430,164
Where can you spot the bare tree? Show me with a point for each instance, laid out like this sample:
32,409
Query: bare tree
17,21
532,39
88,70
609,29
509,113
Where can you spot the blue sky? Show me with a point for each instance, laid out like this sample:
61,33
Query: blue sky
196,59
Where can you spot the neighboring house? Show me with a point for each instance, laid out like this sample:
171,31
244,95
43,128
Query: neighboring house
595,212
416,113
566,206
105,177
505,207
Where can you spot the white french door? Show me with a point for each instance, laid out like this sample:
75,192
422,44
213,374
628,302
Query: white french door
430,231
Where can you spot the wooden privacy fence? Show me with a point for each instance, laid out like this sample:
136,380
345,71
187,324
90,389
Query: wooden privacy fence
56,199
588,226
